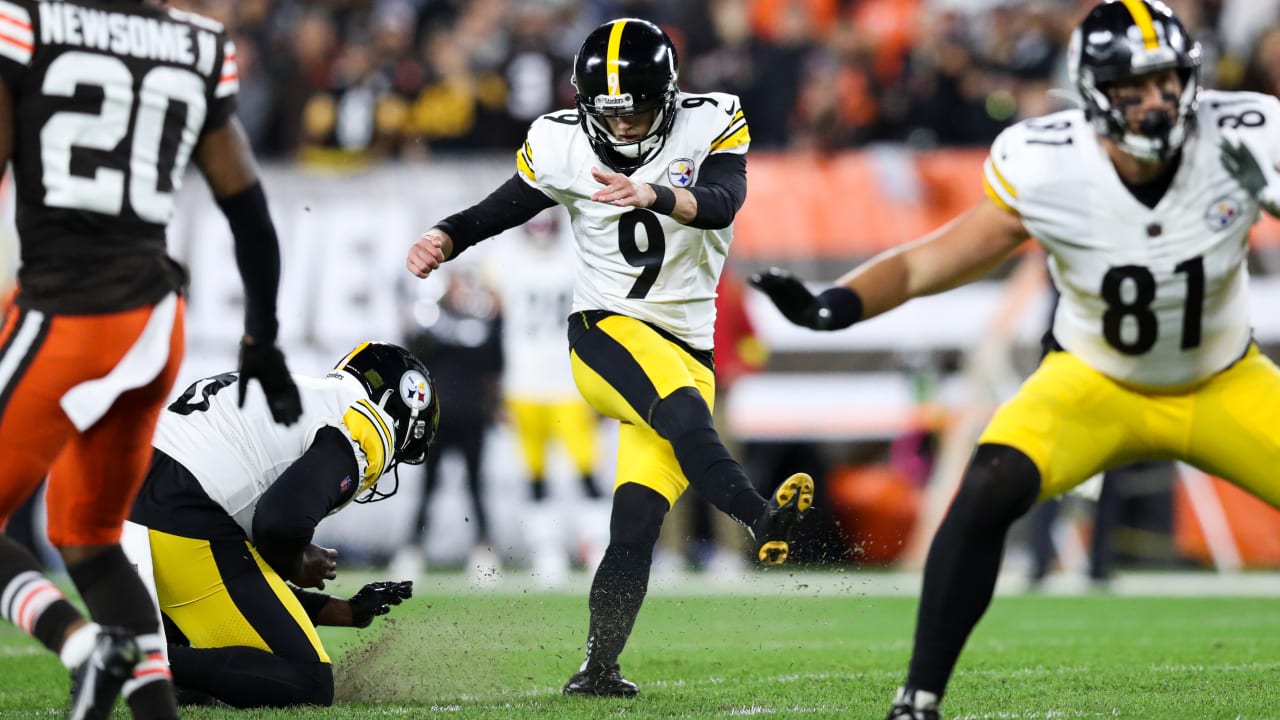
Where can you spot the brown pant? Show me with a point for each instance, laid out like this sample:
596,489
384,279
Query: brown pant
95,473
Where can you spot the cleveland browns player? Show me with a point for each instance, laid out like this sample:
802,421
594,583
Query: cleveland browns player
103,104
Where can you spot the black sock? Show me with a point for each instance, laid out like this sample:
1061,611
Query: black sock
685,421
964,559
113,592
116,596
247,677
30,601
620,584
153,701
622,579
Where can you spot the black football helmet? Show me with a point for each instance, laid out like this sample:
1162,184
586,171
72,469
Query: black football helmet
624,67
1122,39
400,384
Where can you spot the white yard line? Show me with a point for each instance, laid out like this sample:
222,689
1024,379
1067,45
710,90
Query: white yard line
790,583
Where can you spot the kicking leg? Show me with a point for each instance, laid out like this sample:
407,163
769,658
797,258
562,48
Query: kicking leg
683,418
629,371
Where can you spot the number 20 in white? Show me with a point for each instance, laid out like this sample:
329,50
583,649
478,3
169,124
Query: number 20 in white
104,191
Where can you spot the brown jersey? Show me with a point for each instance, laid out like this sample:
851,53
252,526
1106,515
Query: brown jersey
110,99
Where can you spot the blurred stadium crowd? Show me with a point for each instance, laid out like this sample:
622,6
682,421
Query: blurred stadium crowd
347,81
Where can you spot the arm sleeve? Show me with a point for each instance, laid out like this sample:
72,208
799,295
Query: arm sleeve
514,203
721,190
312,602
287,515
225,86
257,256
17,42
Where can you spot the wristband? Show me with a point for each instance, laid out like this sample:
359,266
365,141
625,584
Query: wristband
664,202
838,308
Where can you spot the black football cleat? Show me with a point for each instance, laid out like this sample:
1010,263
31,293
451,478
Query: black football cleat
914,705
601,681
786,508
96,682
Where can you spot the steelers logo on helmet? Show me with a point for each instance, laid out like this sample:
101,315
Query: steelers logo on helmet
411,402
414,390
626,68
1123,41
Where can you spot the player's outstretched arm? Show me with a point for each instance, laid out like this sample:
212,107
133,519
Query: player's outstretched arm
963,250
513,203
225,158
372,600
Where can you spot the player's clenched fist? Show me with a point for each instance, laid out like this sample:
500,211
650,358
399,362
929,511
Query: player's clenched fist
428,252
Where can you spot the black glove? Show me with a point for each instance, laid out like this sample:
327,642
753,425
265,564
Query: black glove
266,363
791,297
376,598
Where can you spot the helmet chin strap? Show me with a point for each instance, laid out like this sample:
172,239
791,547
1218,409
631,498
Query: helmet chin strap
373,494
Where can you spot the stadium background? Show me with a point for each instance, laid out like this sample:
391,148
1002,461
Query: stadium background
869,121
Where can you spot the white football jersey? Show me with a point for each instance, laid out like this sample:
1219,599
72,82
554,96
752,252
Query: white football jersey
237,453
537,297
631,260
1154,297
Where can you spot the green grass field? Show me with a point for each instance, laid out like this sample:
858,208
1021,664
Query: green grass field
794,649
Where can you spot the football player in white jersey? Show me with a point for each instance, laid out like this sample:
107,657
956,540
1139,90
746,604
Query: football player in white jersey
652,179
230,504
1143,200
